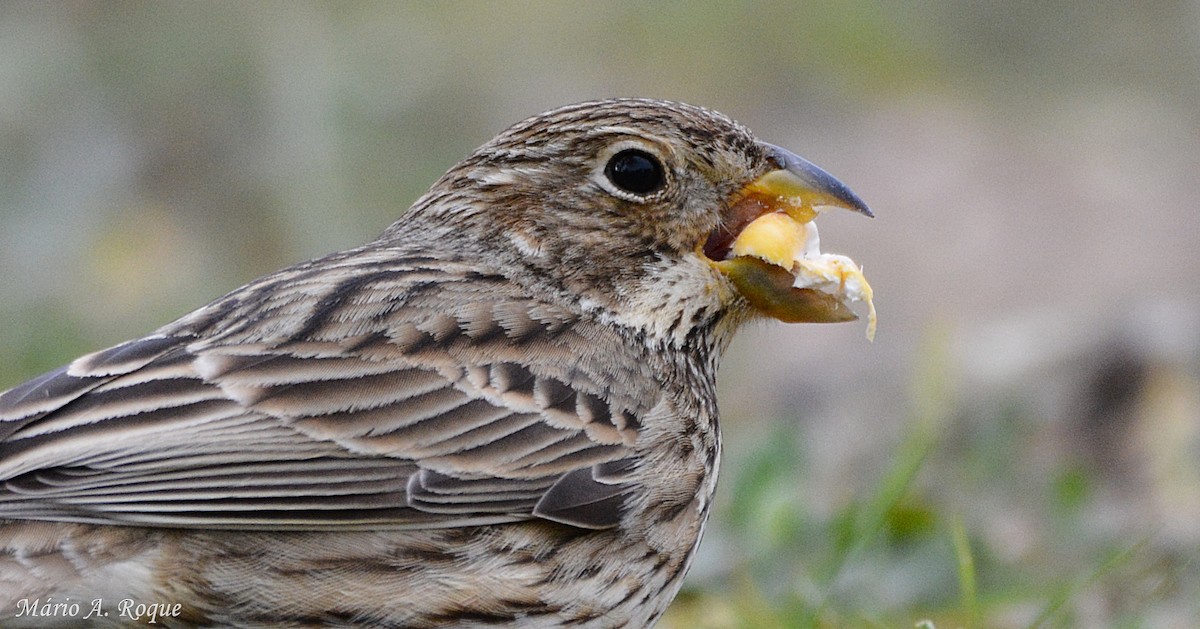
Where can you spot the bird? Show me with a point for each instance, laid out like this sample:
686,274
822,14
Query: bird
499,413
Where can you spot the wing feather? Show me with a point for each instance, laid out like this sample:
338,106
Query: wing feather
359,395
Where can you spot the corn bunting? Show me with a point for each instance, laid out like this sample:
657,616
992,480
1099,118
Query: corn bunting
500,413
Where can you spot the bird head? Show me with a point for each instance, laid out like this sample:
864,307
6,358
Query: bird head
663,216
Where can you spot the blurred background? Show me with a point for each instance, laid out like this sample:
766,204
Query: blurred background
1019,447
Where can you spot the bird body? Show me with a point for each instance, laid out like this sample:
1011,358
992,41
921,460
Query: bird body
500,413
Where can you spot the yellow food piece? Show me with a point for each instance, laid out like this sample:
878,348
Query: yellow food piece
773,237
780,240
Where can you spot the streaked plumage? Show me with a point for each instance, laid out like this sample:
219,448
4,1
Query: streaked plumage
499,413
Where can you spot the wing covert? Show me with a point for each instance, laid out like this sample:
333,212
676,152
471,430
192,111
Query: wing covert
494,408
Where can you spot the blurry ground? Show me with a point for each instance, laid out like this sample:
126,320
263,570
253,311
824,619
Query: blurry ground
1019,447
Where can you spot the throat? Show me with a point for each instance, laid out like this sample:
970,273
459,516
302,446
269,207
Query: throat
677,305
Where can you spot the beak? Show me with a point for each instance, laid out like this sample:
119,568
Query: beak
805,185
782,286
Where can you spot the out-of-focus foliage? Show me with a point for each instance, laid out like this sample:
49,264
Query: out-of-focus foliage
1019,447
978,520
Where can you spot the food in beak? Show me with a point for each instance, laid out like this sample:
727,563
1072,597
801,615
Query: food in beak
780,240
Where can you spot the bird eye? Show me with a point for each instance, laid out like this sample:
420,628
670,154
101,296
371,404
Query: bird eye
635,171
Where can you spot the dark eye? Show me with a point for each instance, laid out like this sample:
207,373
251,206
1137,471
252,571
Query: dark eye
635,171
